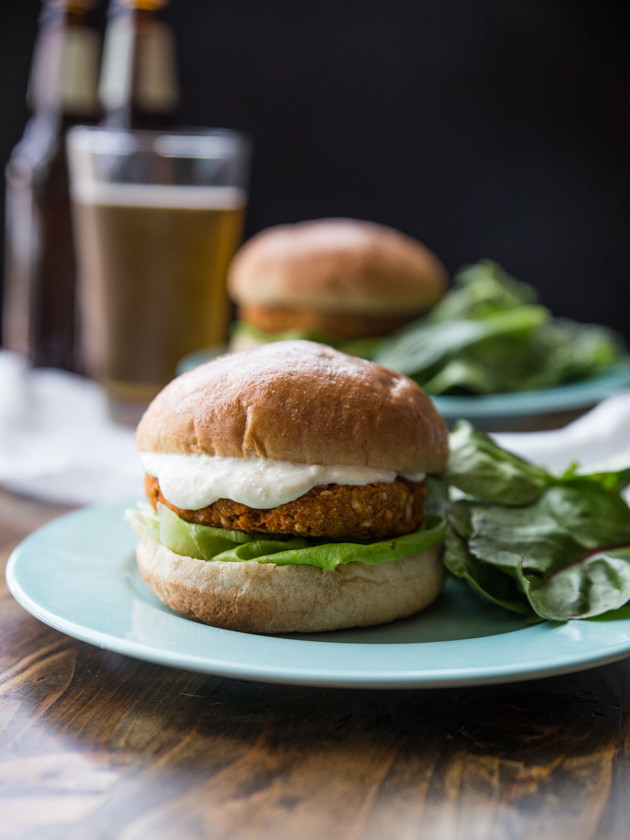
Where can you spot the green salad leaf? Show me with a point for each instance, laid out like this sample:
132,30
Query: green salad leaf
596,583
206,543
479,467
479,290
490,335
549,546
475,346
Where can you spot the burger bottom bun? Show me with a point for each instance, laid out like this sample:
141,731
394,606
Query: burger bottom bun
265,598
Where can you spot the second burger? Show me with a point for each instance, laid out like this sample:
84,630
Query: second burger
332,280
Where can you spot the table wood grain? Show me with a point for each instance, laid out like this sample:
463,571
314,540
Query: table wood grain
96,745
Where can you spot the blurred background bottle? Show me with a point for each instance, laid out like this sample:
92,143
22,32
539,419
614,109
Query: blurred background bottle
39,305
138,87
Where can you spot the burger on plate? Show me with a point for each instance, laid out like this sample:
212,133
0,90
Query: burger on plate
336,280
286,489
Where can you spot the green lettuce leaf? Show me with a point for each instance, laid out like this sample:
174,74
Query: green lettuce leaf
206,543
551,546
480,468
489,335
479,290
592,584
364,347
500,589
613,474
423,349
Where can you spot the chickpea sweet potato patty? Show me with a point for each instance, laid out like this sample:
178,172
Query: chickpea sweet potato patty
372,511
344,325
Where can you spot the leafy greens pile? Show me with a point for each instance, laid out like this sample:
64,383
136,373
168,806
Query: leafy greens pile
489,335
547,546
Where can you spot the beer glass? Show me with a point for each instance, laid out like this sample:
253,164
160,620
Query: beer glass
157,217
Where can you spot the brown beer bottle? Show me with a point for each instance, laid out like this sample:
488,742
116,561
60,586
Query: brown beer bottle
39,280
138,87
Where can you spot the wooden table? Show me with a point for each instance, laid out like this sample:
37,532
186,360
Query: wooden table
95,745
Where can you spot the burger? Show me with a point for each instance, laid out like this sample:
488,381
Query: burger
286,492
334,280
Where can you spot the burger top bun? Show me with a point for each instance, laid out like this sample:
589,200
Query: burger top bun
298,401
337,264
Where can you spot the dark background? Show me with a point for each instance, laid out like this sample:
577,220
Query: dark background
486,129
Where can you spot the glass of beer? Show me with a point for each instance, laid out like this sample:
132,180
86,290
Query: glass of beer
157,217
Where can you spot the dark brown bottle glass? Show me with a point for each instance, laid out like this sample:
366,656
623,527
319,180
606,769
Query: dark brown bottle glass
39,280
138,87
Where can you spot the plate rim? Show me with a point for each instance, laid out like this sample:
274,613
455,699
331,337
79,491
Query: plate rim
566,397
595,653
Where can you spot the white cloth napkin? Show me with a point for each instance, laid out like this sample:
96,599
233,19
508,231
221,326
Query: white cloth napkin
57,442
597,438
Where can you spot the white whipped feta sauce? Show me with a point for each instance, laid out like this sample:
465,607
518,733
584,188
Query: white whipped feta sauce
192,482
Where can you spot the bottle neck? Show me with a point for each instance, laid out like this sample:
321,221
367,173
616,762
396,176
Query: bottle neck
64,72
138,85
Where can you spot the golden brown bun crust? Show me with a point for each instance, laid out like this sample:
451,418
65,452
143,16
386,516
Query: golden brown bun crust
339,264
264,598
302,402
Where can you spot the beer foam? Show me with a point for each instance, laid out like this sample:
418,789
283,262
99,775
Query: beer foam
159,195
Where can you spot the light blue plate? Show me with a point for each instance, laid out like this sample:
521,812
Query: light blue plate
487,410
78,575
